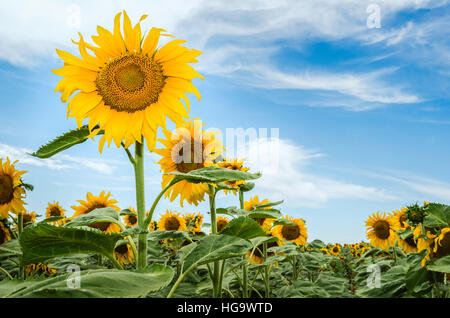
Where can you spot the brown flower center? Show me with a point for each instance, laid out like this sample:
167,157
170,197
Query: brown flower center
122,249
132,219
290,232
381,229
2,234
443,248
194,158
6,189
130,83
172,224
55,211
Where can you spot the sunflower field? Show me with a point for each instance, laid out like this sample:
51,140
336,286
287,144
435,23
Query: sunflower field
121,90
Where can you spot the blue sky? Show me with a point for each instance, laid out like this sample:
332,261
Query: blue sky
362,112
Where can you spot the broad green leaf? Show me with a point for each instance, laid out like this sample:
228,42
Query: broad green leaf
52,219
404,234
284,222
246,187
256,241
108,215
43,241
214,175
63,142
438,216
243,227
264,214
102,283
10,248
440,265
215,247
270,204
164,235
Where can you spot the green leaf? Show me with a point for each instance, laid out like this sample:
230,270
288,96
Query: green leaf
164,235
43,241
246,187
27,186
215,247
102,283
214,175
52,219
441,265
404,234
438,216
267,205
95,216
63,142
283,222
243,227
264,214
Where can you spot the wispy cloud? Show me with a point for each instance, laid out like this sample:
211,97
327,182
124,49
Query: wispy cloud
285,175
58,162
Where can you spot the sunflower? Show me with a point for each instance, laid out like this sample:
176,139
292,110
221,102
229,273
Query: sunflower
325,251
399,217
39,268
364,249
381,230
188,148
153,226
233,164
172,221
11,192
97,202
442,244
129,86
193,222
4,233
27,219
266,223
124,254
292,233
221,223
131,219
54,210
258,257
336,249
408,245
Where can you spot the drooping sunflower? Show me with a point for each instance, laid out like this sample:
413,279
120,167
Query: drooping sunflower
4,233
96,202
399,217
442,244
131,219
381,230
193,222
172,221
258,256
128,86
221,223
124,254
54,209
336,249
11,192
293,233
233,164
188,148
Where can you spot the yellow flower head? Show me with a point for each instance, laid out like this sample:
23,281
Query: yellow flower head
39,268
11,192
336,249
399,218
4,233
131,220
97,202
193,222
54,209
172,221
233,164
188,148
221,223
124,254
292,233
442,244
381,230
126,84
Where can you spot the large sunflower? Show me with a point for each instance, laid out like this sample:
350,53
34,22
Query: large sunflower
11,192
54,209
381,230
128,86
233,164
336,249
172,221
188,148
399,217
4,233
442,244
292,233
97,202
124,254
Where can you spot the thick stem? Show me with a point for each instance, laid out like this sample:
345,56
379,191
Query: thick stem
140,204
244,266
266,272
20,229
241,199
212,205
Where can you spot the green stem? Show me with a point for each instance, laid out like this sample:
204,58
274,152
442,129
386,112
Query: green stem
20,229
6,273
241,199
266,272
115,262
152,209
180,278
244,266
212,206
140,204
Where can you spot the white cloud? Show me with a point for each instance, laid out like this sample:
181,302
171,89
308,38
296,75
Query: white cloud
58,162
285,175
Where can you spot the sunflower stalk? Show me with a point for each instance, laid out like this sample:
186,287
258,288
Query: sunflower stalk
20,229
212,205
140,203
245,265
266,272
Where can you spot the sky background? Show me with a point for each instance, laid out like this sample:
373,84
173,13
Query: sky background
363,113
